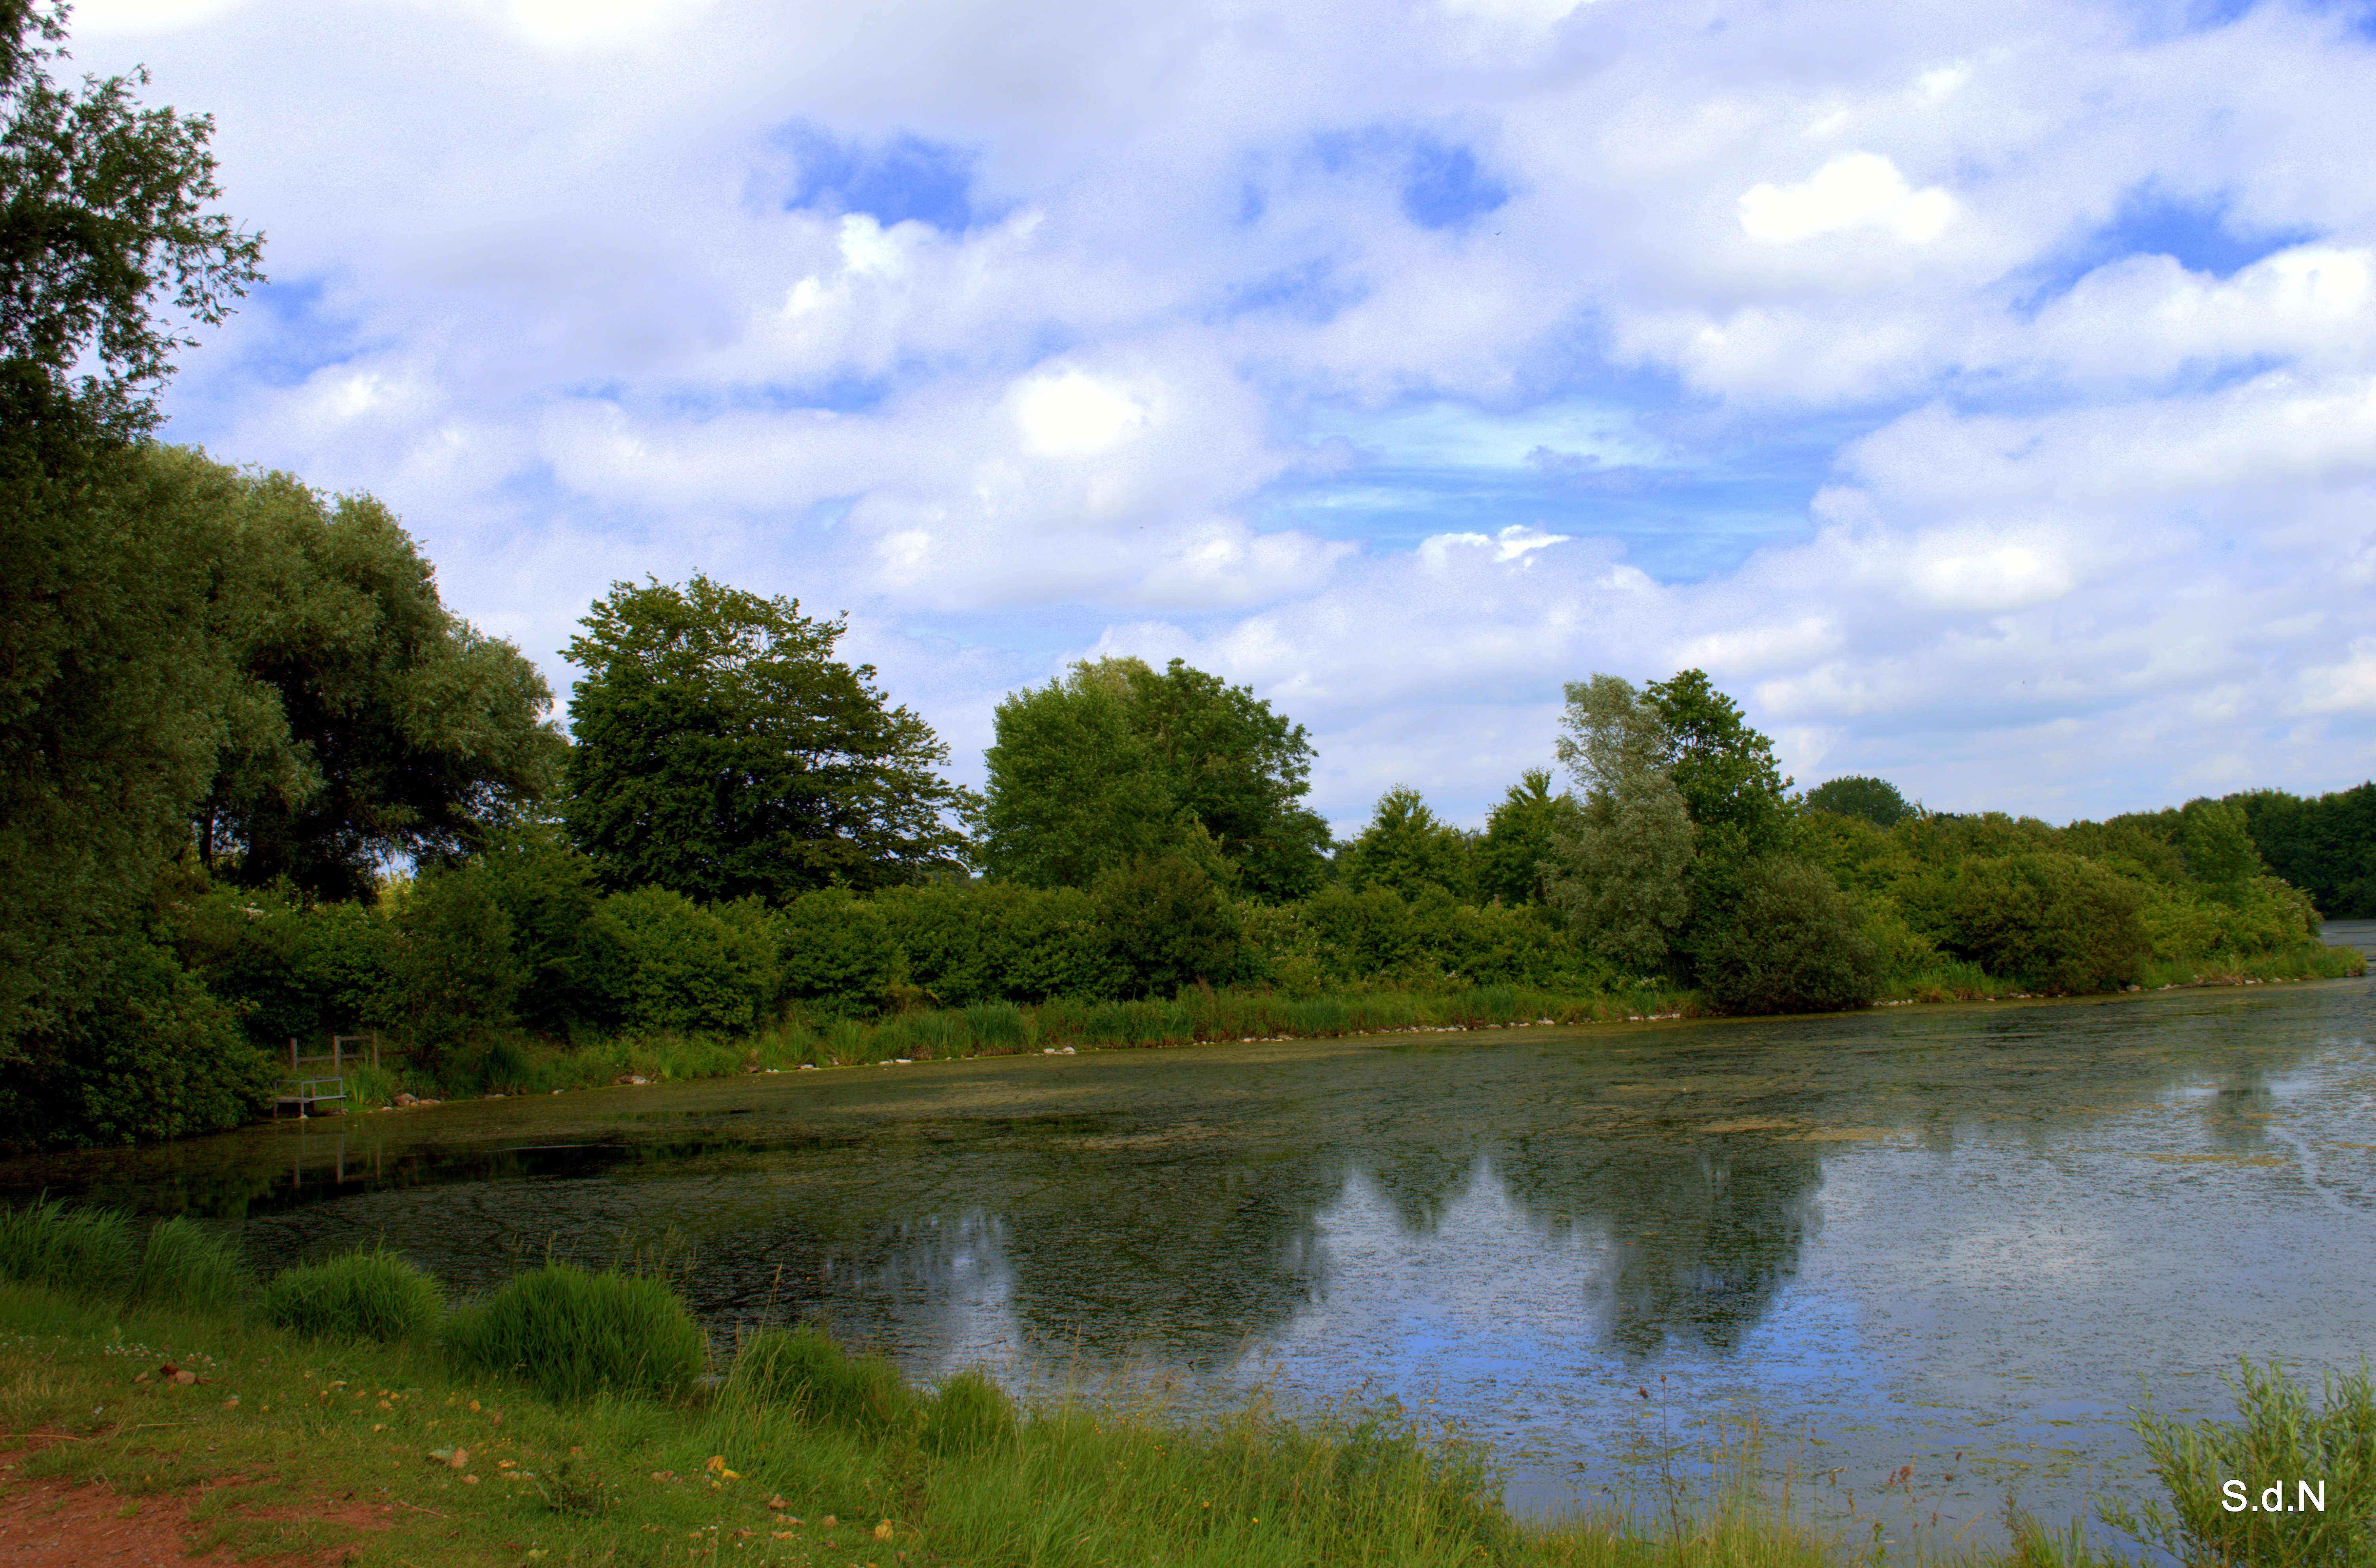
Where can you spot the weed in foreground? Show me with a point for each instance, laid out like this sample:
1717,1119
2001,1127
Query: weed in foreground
572,1333
363,1295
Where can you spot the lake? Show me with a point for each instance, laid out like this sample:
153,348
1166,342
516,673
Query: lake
1960,1239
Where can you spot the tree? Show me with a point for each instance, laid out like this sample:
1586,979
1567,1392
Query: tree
109,696
722,751
1167,926
2217,838
1792,943
1873,800
1518,839
1117,760
1624,877
1726,771
370,721
1407,848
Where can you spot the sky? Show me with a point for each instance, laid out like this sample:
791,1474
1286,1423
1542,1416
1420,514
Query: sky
1984,395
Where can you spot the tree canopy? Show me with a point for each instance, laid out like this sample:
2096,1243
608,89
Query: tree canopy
1875,801
1116,759
1625,875
1405,847
1518,835
721,751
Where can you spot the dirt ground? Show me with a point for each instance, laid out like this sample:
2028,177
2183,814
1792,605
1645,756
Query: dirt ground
50,1522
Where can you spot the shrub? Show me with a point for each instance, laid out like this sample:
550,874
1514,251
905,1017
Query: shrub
2055,921
291,968
837,952
83,1252
572,1333
2277,1438
456,961
363,1295
1167,925
153,1057
660,963
1792,943
999,941
804,1368
184,1267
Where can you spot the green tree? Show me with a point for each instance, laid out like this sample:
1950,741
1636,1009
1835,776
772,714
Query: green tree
454,961
2217,838
1117,760
1791,944
369,722
1405,847
1873,800
723,751
110,697
1729,781
1624,875
1167,926
1518,835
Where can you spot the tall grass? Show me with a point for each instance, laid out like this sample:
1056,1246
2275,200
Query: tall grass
573,1333
183,1266
81,1252
363,1295
2279,1439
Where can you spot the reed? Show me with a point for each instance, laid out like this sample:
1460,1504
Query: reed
183,1264
82,1252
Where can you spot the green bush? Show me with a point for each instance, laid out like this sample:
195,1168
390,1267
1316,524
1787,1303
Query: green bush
2279,1439
1791,944
154,1057
363,1295
998,942
291,969
659,963
805,1370
184,1267
573,1333
454,961
1167,925
83,1252
2055,921
839,954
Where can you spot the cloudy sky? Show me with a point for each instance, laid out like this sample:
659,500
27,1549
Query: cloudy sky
1984,394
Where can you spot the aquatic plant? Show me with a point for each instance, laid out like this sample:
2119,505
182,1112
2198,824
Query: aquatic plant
573,1333
363,1295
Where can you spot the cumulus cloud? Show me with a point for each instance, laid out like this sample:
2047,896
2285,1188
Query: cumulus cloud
2011,370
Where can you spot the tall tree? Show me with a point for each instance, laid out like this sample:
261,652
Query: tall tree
1624,875
1875,801
1729,781
1510,857
1117,759
110,697
1406,847
723,751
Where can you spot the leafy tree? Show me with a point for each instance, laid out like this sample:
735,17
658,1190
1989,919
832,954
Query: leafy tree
547,890
108,695
1518,837
1729,779
2217,838
1405,847
457,964
662,964
1624,875
2049,919
723,752
1791,944
369,720
1875,800
1117,760
837,952
2325,846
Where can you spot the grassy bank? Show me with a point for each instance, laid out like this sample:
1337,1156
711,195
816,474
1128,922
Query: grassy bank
1202,1016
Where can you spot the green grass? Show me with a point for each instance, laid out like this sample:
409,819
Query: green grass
183,1264
70,1248
362,1295
572,1333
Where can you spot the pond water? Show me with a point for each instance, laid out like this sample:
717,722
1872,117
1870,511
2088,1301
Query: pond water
1964,1240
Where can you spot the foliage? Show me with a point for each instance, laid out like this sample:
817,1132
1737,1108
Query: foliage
1167,925
1407,848
1115,760
1729,781
573,1333
1790,943
969,942
1624,875
2277,1440
2055,921
722,751
71,1248
153,1055
360,1295
454,961
547,890
1875,801
291,969
2217,839
370,721
187,1267
2324,844
1518,835
839,953
657,961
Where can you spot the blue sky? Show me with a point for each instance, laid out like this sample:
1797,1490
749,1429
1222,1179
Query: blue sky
1983,394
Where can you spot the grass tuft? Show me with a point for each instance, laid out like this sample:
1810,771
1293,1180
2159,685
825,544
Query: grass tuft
363,1295
572,1333
81,1252
805,1370
183,1266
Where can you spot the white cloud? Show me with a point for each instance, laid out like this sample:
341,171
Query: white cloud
1855,190
1070,413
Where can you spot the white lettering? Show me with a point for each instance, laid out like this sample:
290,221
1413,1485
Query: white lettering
2234,1499
2273,1499
2307,1500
